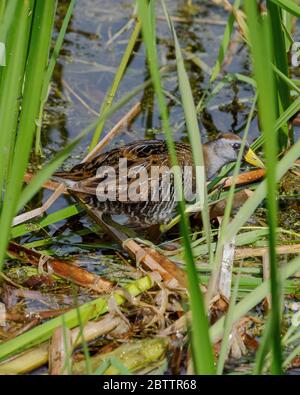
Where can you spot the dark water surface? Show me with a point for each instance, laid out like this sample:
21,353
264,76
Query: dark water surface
91,56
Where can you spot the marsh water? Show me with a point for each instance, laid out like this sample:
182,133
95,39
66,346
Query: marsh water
92,52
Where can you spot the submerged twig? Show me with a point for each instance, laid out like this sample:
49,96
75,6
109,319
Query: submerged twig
206,21
125,120
79,98
67,271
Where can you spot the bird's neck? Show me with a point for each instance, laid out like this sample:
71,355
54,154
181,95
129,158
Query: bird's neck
213,161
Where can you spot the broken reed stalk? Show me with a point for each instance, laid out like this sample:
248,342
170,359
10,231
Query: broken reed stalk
132,356
173,276
225,274
67,271
60,346
245,178
61,188
241,253
38,356
52,185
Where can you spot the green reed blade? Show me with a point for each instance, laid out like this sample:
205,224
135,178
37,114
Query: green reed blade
40,39
289,6
227,212
15,36
49,72
203,360
198,309
284,117
261,39
193,131
280,61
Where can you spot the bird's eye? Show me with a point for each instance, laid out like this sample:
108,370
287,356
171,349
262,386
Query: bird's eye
235,146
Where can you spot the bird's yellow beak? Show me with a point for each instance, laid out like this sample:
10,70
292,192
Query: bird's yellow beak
253,159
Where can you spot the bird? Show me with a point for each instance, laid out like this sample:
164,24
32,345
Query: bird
108,182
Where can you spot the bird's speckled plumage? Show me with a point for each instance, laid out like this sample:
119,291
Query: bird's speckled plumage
143,155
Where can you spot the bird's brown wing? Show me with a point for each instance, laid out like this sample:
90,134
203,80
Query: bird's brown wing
145,160
142,149
139,181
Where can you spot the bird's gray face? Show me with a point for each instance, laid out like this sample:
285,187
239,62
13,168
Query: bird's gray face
225,149
228,149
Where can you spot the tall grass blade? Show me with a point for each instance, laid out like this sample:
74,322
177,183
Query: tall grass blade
260,34
193,131
280,61
289,6
227,213
203,358
263,349
40,39
15,36
49,72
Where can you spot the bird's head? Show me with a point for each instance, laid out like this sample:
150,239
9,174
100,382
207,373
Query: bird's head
225,149
228,145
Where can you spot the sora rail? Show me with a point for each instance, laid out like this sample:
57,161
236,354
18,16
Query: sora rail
152,205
